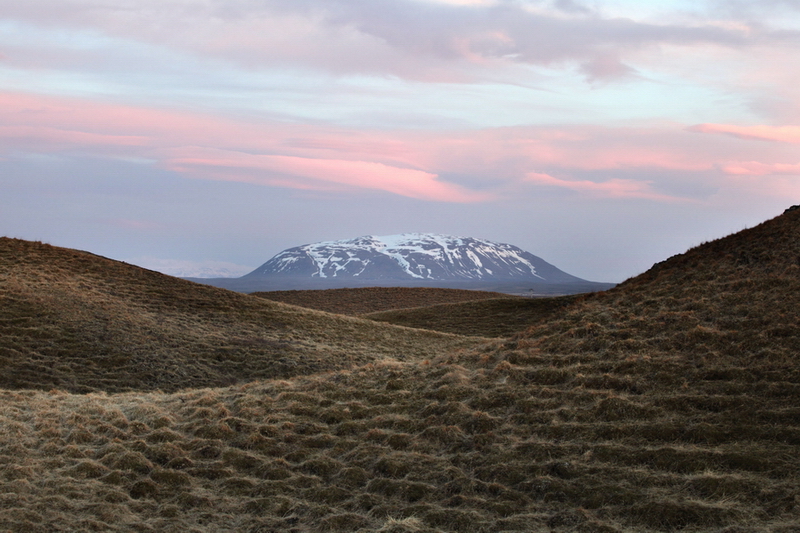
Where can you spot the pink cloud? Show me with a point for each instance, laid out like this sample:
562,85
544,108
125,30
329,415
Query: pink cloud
415,164
754,168
95,117
614,188
273,169
41,119
788,134
41,123
587,148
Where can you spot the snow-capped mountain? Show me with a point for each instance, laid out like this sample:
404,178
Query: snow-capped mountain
410,257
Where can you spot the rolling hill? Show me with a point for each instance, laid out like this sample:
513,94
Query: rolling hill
497,317
669,403
364,300
462,312
78,322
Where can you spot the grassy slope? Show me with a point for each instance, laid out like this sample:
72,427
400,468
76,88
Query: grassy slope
461,312
361,301
79,322
500,317
670,403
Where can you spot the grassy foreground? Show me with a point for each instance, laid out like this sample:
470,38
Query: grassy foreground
466,444
670,403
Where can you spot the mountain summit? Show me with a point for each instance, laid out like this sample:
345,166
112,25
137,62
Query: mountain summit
413,257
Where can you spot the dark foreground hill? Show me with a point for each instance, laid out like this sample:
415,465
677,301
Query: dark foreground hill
735,300
667,404
75,321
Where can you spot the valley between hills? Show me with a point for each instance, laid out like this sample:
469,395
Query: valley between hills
136,402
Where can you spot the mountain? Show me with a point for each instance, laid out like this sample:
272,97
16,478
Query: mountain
410,259
413,256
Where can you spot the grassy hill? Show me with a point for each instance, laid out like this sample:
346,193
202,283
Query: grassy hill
79,322
670,403
364,300
457,311
498,317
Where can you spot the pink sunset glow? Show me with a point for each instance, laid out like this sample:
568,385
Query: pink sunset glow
268,169
788,134
754,168
625,131
614,188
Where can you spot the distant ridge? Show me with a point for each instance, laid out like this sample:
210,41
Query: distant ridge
413,256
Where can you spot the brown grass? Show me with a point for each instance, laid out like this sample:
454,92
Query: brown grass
361,301
456,448
498,317
669,404
461,312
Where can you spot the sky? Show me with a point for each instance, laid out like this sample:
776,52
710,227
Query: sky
202,137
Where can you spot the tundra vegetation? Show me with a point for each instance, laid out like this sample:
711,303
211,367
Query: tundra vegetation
132,401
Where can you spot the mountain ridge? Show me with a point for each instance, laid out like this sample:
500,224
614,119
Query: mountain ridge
412,256
409,260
